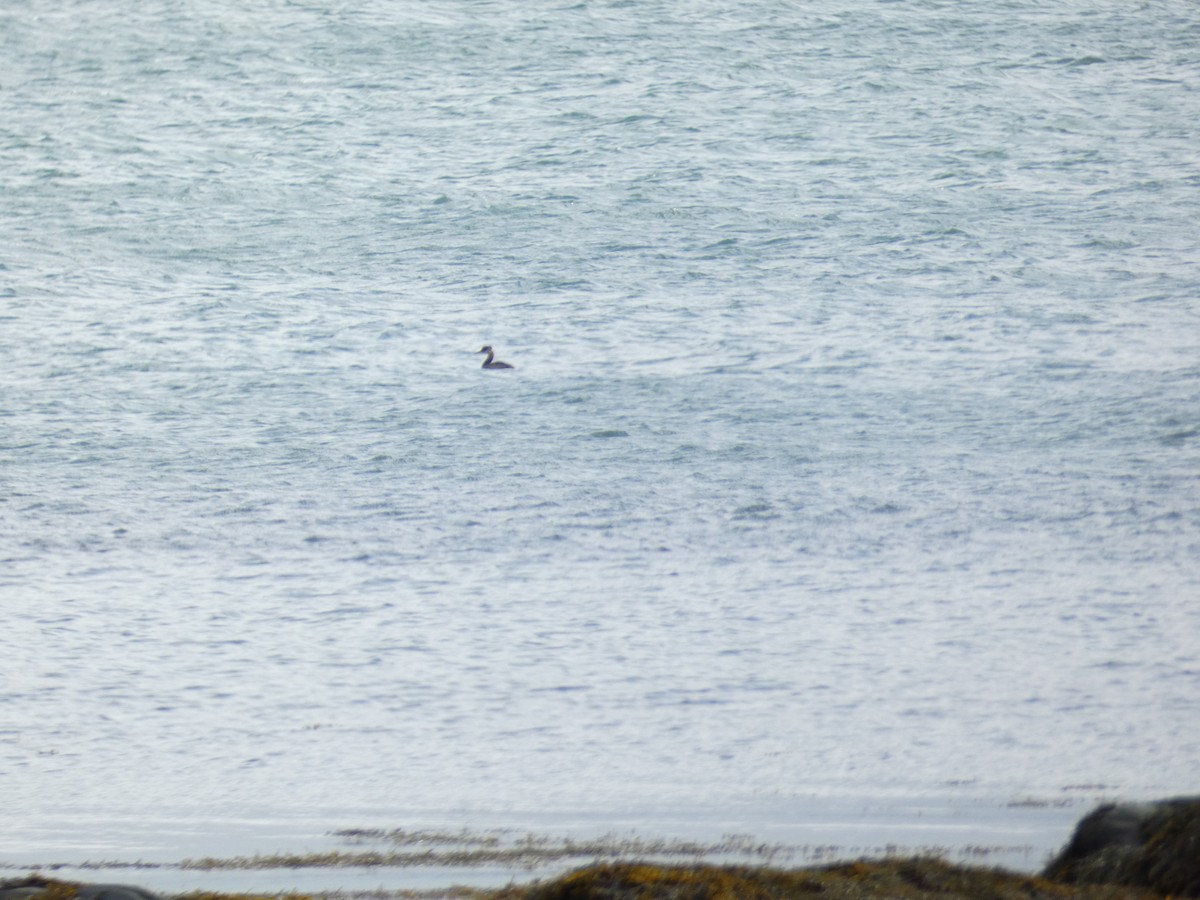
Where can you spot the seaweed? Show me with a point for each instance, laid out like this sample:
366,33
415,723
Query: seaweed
916,878
897,878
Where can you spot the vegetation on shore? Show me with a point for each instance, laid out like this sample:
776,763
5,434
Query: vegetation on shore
901,879
897,879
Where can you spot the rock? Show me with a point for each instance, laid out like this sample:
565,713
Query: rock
19,893
24,888
1148,845
114,892
37,888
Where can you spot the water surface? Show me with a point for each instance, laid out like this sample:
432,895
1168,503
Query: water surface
852,449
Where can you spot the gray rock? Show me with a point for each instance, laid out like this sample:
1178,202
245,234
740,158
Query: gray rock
114,892
20,893
30,888
1111,825
1152,845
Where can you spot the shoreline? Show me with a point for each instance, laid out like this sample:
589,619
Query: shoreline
353,853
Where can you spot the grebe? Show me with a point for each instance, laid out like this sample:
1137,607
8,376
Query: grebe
488,364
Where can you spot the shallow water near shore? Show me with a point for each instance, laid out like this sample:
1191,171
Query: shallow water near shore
268,856
852,449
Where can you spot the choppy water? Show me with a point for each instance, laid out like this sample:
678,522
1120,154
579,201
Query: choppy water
853,445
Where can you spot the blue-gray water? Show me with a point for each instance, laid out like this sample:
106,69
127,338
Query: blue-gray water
853,445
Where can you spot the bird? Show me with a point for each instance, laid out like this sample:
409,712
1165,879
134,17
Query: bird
488,363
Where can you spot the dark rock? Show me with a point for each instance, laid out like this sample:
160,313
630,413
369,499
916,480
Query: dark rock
24,888
1148,845
35,887
19,893
114,892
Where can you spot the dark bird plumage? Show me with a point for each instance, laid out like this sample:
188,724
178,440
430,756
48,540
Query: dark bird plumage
491,362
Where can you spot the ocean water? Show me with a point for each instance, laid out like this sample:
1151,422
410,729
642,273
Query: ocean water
852,448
